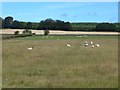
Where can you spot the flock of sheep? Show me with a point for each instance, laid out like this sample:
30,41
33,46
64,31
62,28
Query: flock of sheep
92,44
86,43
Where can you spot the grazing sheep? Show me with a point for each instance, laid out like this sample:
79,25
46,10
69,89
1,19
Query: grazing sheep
68,45
30,48
97,45
91,43
93,46
86,44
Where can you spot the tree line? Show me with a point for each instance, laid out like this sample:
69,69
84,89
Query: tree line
115,27
50,24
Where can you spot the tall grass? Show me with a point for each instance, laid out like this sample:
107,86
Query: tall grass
53,65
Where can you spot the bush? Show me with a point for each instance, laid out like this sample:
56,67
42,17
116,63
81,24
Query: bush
27,31
16,32
30,32
46,32
23,32
33,33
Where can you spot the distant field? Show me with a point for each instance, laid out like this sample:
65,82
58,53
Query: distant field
56,32
53,65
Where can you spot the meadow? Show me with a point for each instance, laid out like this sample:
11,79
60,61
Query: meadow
51,64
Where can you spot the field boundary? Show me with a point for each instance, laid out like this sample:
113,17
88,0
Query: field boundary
55,32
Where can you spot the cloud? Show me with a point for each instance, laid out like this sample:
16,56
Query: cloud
75,16
64,15
94,14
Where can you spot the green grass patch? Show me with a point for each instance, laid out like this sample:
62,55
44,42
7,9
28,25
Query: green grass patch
65,37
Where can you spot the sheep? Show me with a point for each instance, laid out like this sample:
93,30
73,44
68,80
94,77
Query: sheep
68,45
93,46
97,45
86,44
30,48
91,42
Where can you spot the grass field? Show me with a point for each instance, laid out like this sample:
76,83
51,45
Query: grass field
53,65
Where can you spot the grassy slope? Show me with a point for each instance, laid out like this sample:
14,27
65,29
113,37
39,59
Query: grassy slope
52,64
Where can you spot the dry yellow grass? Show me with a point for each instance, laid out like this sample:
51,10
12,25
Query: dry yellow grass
11,31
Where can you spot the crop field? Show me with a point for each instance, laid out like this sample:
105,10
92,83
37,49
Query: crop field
51,64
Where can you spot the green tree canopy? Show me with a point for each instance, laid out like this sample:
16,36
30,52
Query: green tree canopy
15,24
46,24
1,21
8,22
29,25
106,27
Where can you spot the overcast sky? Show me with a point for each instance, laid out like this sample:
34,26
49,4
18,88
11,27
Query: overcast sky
67,11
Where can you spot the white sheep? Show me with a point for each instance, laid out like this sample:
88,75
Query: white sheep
91,43
30,48
97,45
93,46
86,44
68,45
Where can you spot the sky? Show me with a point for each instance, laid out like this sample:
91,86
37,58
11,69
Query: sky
60,0
66,11
119,11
